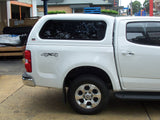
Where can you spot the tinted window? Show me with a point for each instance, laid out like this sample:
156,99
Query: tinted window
73,30
147,33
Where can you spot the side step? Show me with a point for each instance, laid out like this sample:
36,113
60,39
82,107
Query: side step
138,95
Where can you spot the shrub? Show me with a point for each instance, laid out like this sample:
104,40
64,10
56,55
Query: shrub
109,12
56,12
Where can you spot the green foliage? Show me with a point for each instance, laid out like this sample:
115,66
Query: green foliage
146,5
136,6
56,12
109,12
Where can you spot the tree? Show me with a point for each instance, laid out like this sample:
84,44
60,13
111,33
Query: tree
146,5
136,6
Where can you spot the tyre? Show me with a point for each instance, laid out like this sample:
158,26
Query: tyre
17,30
88,94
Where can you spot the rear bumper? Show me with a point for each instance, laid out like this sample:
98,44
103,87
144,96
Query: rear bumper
28,80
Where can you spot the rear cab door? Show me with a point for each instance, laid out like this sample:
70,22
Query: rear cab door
137,42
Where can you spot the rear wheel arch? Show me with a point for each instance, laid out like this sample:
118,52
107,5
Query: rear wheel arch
74,73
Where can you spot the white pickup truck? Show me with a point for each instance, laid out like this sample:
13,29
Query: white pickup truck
91,56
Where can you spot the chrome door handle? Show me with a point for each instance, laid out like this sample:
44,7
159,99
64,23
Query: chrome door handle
127,53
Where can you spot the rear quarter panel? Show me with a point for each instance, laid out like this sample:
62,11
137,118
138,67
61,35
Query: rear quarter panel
50,71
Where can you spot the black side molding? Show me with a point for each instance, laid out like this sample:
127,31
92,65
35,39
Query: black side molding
138,95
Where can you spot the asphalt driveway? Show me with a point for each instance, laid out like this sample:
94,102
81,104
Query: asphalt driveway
12,66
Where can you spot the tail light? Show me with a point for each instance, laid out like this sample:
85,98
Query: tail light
28,62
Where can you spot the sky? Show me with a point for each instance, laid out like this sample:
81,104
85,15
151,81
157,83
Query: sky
125,3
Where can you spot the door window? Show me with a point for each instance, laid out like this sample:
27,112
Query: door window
146,33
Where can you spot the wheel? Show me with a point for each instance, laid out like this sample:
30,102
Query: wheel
88,94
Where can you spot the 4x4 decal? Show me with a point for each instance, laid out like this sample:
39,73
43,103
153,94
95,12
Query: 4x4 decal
49,54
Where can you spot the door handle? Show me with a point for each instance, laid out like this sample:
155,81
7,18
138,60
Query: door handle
127,53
